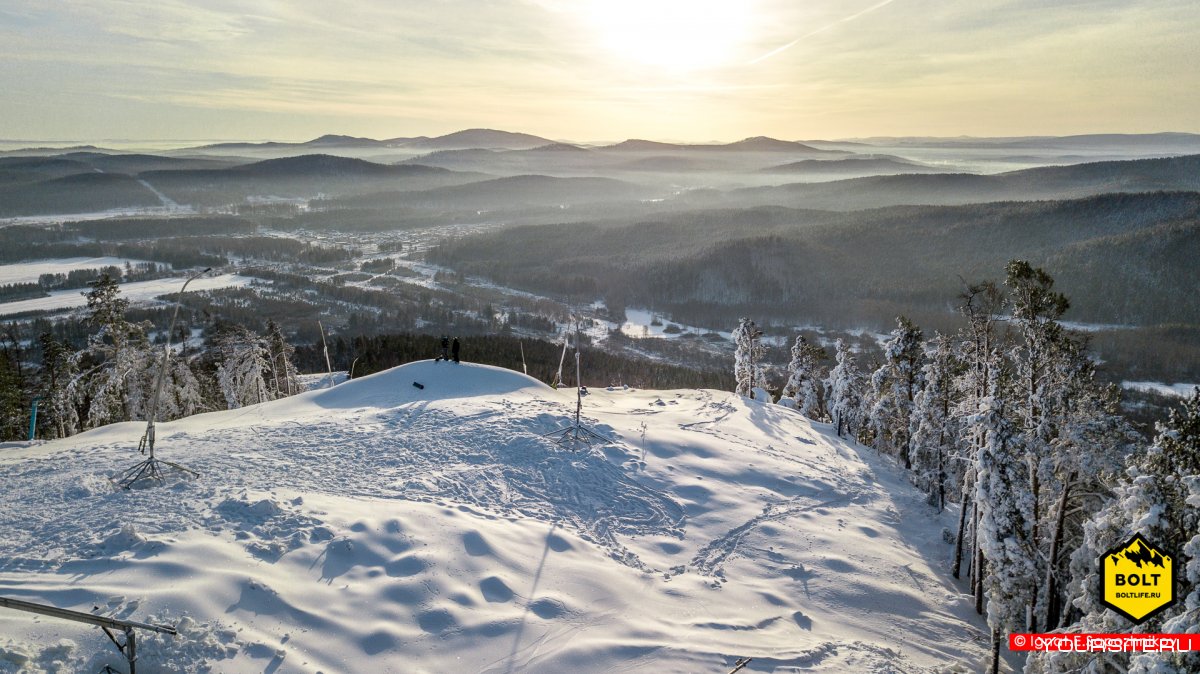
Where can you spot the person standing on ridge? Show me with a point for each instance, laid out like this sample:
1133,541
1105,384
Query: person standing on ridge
445,349
454,347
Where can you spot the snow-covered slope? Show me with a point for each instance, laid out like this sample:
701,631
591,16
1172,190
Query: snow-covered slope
379,527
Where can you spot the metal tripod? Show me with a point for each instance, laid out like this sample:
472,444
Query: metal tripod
577,433
150,468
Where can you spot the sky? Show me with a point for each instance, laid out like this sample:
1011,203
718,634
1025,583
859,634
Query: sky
596,70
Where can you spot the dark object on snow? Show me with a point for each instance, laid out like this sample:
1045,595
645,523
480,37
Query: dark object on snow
419,385
740,665
445,349
583,390
454,347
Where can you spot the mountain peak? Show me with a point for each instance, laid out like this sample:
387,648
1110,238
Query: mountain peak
487,139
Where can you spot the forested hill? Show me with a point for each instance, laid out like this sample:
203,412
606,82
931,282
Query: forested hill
1122,258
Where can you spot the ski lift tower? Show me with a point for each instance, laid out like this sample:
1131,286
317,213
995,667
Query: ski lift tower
150,469
576,433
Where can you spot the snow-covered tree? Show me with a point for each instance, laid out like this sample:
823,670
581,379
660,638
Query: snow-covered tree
12,399
1091,441
846,384
182,394
285,379
57,410
1159,497
244,363
748,370
1005,523
935,431
806,380
894,386
981,304
112,384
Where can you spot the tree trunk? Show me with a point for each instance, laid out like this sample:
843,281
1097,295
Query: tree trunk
979,571
1050,595
995,652
1035,539
962,529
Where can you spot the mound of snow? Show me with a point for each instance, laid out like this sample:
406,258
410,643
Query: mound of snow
379,526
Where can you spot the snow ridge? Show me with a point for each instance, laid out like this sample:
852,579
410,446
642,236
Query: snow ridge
376,526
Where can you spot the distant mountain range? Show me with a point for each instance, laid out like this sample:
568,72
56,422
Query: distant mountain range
492,139
459,140
1166,142
755,144
1049,182
854,165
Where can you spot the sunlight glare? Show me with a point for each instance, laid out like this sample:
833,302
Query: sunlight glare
680,35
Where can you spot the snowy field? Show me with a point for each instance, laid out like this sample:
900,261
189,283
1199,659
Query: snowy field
131,212
138,291
378,527
1174,390
28,272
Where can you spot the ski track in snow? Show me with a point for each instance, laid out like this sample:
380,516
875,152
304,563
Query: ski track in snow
439,526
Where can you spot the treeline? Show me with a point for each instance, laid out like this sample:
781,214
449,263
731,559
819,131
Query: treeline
115,229
368,355
1007,417
111,377
81,278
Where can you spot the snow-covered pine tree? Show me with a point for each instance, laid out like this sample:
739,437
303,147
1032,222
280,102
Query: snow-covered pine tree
243,365
846,384
981,304
1158,497
1041,380
12,399
57,412
748,354
935,430
182,393
806,379
284,379
112,384
1005,526
1092,439
893,387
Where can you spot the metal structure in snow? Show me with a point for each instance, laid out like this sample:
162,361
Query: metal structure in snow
128,648
325,348
576,433
150,469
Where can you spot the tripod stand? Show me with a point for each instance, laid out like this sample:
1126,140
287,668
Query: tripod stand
577,433
150,468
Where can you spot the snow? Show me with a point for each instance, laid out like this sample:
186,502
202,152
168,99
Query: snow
125,212
318,380
1172,390
28,272
138,291
639,323
380,527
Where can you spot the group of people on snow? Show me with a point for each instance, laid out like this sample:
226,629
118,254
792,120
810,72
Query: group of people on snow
450,349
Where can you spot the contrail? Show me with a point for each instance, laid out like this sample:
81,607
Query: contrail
822,29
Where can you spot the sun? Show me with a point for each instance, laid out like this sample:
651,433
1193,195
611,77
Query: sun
680,35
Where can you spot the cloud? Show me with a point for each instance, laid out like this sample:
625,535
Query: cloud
822,29
383,68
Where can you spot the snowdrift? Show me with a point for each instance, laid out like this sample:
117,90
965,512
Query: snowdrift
380,527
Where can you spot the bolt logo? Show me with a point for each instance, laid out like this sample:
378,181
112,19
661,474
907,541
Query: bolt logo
1137,580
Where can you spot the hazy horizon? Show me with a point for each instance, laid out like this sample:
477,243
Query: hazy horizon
184,143
700,71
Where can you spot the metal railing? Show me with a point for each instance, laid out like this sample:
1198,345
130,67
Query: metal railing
127,627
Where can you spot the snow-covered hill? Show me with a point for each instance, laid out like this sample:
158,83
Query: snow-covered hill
379,527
